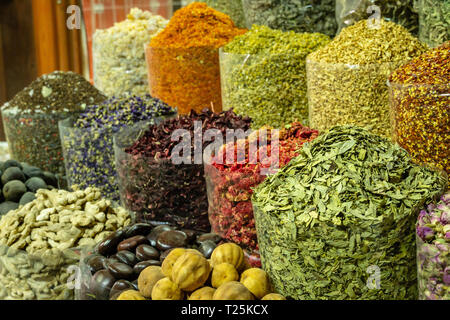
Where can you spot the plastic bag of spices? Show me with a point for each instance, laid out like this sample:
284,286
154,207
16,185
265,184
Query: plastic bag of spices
433,248
23,275
348,12
41,242
119,55
292,15
347,78
338,222
183,59
159,182
420,107
434,21
233,173
233,8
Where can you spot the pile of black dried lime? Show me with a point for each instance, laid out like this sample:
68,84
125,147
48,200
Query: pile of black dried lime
31,118
19,182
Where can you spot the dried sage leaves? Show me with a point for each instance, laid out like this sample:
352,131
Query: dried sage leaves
338,222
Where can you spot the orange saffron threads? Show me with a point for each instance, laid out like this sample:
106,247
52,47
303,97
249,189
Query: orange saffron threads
183,59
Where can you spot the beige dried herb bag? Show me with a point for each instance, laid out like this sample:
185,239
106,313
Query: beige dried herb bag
347,78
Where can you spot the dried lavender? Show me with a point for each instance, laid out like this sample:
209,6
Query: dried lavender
156,188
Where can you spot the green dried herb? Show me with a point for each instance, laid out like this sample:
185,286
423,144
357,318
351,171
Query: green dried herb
434,20
339,219
31,118
347,78
264,75
401,12
295,15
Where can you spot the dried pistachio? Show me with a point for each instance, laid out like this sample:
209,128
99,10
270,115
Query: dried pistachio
338,222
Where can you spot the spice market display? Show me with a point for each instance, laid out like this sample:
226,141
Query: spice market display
238,150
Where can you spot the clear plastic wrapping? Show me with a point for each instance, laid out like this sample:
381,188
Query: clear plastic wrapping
186,78
434,21
401,12
433,270
341,94
159,190
24,276
34,138
420,122
295,15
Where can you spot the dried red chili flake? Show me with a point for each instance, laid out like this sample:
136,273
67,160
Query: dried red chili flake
230,184
156,188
